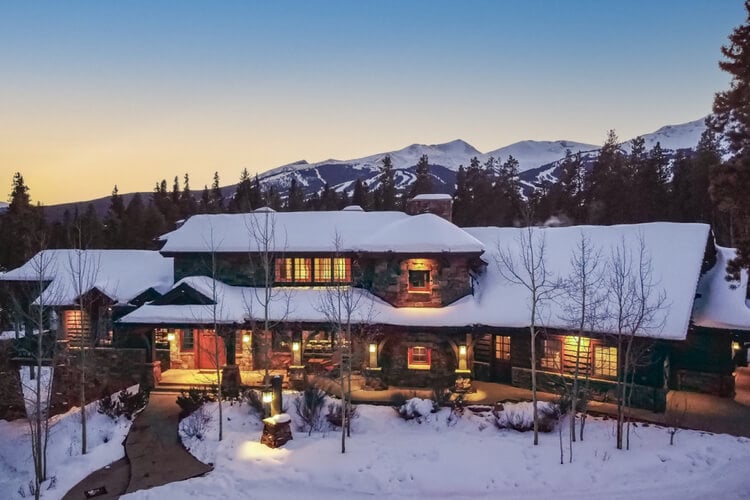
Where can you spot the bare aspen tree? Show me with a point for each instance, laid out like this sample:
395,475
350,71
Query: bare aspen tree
525,265
635,301
265,247
582,307
84,270
342,305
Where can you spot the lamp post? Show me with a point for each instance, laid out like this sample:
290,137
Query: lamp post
373,355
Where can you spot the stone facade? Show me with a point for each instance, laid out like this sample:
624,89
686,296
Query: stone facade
449,280
393,359
440,205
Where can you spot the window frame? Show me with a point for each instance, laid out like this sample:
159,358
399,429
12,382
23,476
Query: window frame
427,281
551,362
422,363
609,363
504,345
320,270
184,333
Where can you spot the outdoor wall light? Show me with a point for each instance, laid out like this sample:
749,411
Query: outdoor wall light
736,346
170,337
295,346
373,348
462,350
246,339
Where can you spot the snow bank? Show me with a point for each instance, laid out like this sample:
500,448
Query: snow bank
468,457
721,303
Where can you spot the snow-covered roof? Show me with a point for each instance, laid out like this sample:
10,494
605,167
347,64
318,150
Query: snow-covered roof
317,232
721,303
676,251
121,275
436,196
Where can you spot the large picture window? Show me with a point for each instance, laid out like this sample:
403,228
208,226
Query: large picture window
317,270
552,355
419,357
605,361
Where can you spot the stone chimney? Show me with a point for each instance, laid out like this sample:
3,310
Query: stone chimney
438,204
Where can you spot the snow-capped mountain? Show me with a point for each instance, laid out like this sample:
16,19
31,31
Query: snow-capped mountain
538,162
3,206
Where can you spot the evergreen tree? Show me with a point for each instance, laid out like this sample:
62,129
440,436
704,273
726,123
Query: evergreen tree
113,222
188,206
176,194
607,185
217,199
204,206
730,182
91,228
423,182
272,198
295,200
241,201
328,198
154,225
385,194
461,199
133,225
360,195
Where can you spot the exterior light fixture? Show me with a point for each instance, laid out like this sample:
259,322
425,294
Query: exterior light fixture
296,353
267,395
462,350
295,346
736,346
373,348
246,339
170,337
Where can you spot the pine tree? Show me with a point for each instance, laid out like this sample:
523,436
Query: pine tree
217,199
295,200
461,214
608,185
730,183
241,201
360,195
188,206
113,222
385,194
423,182
133,224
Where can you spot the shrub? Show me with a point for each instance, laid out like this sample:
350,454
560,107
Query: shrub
308,407
123,403
192,399
416,408
520,416
398,399
195,425
254,400
335,417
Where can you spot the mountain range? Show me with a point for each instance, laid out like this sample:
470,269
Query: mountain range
538,162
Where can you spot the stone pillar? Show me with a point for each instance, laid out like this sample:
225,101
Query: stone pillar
231,346
276,430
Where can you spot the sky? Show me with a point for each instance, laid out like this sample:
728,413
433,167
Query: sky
94,94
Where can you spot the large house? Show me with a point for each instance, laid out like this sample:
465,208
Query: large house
425,300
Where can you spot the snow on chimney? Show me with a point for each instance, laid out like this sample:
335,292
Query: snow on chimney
438,204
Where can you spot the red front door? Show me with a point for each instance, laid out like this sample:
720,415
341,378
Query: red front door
207,350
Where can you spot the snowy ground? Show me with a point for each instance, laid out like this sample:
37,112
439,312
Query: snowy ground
66,466
468,458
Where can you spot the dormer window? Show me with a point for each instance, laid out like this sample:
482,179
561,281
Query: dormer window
419,280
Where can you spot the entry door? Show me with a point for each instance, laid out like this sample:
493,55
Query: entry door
207,341
501,367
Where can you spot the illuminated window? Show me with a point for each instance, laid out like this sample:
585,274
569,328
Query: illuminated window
419,357
187,342
322,269
552,355
502,347
419,281
302,270
342,270
605,361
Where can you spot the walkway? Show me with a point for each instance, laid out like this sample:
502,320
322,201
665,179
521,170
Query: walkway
154,455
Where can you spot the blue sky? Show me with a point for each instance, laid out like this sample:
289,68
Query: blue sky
98,93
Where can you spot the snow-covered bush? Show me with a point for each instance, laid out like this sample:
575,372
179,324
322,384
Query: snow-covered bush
195,425
334,416
309,405
126,403
416,408
192,399
520,416
254,400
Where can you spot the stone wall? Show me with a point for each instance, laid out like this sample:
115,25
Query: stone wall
394,360
449,280
651,398
11,400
